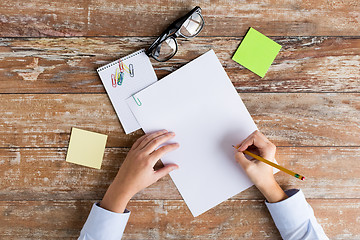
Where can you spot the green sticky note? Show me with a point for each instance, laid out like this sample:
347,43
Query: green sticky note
256,52
86,148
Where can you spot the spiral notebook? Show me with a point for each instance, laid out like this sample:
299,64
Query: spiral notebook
123,78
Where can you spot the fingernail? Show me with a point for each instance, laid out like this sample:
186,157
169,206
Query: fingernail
172,133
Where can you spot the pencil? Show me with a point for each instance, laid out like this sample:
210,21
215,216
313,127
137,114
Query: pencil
273,164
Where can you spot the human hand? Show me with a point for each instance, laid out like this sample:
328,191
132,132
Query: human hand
137,172
261,174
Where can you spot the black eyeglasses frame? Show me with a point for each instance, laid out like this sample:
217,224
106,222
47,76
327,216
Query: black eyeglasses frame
173,31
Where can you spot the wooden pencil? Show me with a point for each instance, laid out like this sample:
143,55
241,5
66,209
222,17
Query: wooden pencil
273,164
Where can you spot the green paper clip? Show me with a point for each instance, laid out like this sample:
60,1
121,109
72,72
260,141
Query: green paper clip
138,102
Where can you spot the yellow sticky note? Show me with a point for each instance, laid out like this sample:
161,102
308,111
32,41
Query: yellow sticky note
86,148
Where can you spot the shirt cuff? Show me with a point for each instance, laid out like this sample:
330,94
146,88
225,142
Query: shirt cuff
104,224
287,214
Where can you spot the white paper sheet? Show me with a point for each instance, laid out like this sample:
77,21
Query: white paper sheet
199,103
141,76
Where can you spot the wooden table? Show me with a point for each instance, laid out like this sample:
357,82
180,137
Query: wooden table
308,104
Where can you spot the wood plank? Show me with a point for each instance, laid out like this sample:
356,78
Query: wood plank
67,65
43,174
171,219
299,119
146,18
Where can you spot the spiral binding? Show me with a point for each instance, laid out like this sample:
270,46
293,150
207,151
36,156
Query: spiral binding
122,59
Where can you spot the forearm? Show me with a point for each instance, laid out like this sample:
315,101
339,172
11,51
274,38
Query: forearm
272,191
115,198
295,218
102,224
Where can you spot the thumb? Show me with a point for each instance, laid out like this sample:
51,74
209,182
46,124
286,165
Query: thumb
242,160
165,170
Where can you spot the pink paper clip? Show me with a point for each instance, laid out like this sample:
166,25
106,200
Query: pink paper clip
113,80
121,66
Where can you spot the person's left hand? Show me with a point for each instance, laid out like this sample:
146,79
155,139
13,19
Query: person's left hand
137,172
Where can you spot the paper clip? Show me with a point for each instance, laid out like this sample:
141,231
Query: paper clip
126,68
121,66
138,102
113,80
120,79
131,70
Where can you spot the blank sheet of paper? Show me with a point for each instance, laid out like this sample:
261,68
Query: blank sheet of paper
199,103
124,77
86,148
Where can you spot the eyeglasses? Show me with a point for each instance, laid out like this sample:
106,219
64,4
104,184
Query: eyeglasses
188,26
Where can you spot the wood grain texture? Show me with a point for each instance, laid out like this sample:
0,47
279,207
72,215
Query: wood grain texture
68,65
308,104
328,171
149,18
171,219
289,119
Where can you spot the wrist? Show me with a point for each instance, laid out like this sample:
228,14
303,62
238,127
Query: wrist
122,189
115,199
272,192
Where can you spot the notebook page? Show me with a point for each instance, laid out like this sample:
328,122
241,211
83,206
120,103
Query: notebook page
124,77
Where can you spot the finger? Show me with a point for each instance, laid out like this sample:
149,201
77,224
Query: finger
165,170
156,155
262,140
149,137
268,151
138,141
247,142
257,139
157,141
242,160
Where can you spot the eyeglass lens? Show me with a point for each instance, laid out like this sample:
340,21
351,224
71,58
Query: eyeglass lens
165,50
192,25
168,48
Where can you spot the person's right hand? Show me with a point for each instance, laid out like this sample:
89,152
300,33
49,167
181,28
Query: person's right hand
261,174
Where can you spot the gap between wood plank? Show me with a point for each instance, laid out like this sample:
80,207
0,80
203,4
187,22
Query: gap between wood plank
165,200
128,148
87,93
222,36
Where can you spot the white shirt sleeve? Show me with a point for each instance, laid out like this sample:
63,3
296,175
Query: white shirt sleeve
295,218
102,224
